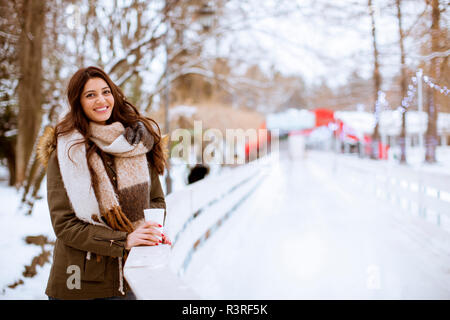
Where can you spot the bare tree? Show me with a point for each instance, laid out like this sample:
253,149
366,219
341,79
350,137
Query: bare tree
431,105
403,82
30,98
54,58
377,82
9,37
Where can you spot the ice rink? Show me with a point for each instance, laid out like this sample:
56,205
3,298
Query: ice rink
306,234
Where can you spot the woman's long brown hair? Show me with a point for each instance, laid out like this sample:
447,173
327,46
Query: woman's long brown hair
123,111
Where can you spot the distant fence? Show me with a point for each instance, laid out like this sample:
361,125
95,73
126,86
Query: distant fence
193,215
412,189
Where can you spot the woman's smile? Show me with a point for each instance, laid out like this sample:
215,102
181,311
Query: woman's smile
101,109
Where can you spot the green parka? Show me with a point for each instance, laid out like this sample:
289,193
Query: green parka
99,274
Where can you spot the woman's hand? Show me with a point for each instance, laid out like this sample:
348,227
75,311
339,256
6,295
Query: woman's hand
166,239
144,235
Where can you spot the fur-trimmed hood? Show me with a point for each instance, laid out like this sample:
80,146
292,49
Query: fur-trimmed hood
46,145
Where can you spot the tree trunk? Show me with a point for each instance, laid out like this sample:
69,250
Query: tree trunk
377,85
431,107
167,96
403,84
11,161
29,86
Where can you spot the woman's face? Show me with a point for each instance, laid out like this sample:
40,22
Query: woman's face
97,100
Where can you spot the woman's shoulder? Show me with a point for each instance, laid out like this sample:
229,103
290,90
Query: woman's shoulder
46,145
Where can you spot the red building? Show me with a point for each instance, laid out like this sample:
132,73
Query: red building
323,116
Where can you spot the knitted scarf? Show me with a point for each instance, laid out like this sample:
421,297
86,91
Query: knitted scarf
125,210
101,205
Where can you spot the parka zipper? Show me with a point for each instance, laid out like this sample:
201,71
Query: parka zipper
111,241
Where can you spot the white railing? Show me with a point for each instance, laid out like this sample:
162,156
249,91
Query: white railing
412,189
193,215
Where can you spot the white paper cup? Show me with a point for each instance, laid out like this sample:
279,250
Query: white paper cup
156,215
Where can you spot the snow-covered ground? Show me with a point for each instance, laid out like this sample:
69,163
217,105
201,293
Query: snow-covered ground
15,252
301,234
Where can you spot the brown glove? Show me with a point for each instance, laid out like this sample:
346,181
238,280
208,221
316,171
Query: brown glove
137,133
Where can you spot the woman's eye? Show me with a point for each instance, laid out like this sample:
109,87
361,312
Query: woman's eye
89,95
106,92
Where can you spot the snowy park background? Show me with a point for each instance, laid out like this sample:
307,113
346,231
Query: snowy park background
305,233
335,212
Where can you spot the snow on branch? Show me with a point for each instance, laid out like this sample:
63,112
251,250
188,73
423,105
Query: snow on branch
113,64
433,55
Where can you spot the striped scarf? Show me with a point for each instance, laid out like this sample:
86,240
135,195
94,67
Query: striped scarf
101,205
123,211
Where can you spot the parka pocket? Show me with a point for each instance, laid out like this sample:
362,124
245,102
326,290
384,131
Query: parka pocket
94,270
66,257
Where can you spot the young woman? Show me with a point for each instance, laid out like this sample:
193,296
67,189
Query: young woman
101,177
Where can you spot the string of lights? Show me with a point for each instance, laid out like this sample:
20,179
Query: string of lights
413,95
412,90
410,94
381,104
442,89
